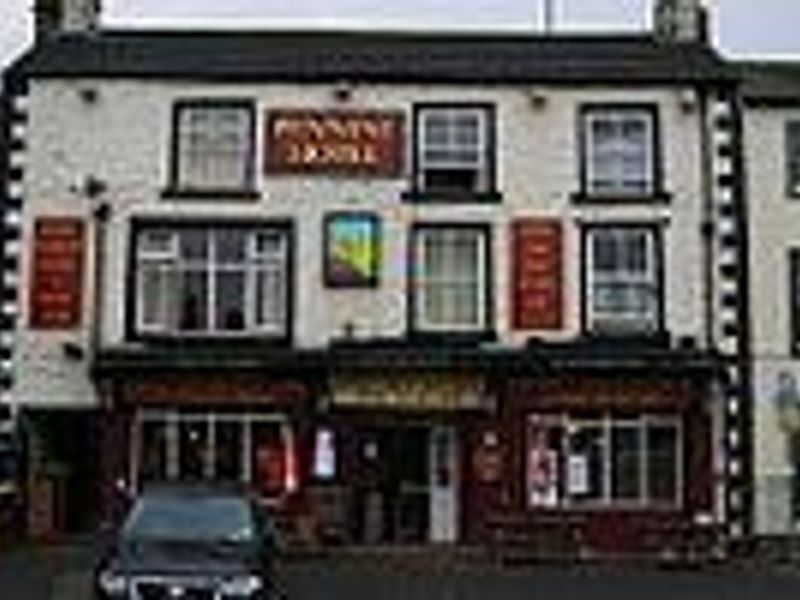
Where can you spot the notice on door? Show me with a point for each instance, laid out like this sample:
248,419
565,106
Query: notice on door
56,296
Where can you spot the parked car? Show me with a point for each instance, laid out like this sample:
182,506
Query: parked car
190,543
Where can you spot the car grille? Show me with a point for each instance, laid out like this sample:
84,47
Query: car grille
161,591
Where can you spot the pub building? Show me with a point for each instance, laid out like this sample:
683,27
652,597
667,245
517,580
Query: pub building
409,288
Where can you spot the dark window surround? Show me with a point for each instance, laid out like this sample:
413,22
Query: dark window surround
488,333
660,331
143,222
374,282
491,194
585,195
794,301
792,174
175,190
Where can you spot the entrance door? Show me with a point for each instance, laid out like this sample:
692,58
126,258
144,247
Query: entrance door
444,485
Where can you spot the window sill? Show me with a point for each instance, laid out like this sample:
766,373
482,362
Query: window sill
245,340
588,198
443,197
453,338
220,194
627,337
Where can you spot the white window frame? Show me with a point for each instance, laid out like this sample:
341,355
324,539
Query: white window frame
254,263
617,321
202,154
422,281
622,186
172,418
606,423
450,114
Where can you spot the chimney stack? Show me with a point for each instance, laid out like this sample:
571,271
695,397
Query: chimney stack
52,17
681,21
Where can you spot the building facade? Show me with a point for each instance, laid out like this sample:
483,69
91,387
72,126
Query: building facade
410,288
771,108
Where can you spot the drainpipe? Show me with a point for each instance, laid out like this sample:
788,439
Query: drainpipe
707,218
100,215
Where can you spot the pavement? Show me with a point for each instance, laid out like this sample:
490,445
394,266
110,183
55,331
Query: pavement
63,571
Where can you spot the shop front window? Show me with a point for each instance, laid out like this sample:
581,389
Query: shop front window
603,462
177,446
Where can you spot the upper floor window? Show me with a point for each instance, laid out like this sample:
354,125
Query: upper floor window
794,299
203,280
623,279
619,152
793,158
454,149
213,146
450,278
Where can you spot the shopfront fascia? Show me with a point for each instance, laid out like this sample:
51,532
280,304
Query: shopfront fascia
598,460
399,441
217,424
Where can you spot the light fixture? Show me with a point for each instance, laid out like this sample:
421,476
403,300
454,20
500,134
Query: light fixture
343,91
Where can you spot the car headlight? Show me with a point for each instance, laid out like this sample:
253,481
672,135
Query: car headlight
112,583
246,585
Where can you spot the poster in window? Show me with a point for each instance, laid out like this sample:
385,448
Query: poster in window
56,296
578,475
325,455
542,471
537,290
352,250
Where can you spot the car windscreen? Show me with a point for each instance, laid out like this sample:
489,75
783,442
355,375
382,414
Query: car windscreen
193,519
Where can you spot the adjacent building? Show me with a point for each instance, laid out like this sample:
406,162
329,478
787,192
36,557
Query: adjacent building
409,287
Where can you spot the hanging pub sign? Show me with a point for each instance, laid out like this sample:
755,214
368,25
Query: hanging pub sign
352,250
364,143
537,274
56,294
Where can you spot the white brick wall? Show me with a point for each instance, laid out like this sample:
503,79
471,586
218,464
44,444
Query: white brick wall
124,139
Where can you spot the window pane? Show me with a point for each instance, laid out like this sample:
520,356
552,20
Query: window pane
619,152
230,245
586,464
453,150
153,451
214,147
229,450
158,292
270,294
662,462
194,244
230,300
193,448
626,462
793,156
194,301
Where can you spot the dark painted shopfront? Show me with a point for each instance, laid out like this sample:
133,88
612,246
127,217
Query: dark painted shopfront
605,452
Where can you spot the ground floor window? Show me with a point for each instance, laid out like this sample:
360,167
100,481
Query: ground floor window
196,446
603,461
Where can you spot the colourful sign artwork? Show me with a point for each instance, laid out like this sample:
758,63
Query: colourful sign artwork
352,250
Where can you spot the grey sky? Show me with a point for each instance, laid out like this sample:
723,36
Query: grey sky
752,27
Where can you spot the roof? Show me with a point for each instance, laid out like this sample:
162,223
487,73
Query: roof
375,56
771,83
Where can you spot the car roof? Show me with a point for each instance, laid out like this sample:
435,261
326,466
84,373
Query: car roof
195,490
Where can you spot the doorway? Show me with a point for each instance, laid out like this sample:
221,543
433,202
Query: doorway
407,490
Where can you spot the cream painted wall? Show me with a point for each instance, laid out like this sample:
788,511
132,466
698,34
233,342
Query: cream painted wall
124,139
774,230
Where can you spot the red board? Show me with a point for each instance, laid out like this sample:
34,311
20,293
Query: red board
351,143
537,277
57,276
